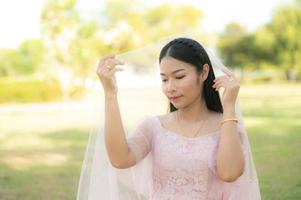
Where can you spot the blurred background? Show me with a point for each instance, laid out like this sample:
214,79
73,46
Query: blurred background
50,96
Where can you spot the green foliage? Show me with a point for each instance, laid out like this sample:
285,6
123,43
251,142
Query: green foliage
57,15
233,44
28,90
9,58
276,43
161,20
85,48
26,59
286,25
77,43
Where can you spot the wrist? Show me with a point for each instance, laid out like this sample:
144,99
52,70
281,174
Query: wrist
110,94
228,103
228,106
234,119
229,113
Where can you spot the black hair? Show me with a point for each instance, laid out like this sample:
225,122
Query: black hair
192,52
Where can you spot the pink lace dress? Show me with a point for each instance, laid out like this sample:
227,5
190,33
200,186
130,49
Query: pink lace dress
184,168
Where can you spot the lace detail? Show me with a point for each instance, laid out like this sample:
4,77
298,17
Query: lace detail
184,168
190,184
180,166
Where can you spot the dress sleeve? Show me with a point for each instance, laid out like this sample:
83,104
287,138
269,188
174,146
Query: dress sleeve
140,140
213,157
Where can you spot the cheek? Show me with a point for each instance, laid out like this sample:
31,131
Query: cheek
184,86
188,84
191,88
163,88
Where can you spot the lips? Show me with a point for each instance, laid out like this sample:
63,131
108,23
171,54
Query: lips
174,97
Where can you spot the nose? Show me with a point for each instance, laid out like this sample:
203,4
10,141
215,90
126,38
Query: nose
170,86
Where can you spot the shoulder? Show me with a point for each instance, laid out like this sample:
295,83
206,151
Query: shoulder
164,118
165,121
149,121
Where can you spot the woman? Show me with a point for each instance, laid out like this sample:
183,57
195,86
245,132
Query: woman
199,150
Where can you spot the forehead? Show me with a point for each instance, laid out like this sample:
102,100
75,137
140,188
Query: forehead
169,65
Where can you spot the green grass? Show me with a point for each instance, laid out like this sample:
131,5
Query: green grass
273,119
46,171
42,145
41,150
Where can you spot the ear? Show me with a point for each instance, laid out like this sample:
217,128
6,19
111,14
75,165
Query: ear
205,72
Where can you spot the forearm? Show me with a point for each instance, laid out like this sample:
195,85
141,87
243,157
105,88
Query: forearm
230,159
115,138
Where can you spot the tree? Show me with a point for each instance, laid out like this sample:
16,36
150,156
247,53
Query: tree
138,25
24,60
274,44
286,26
232,45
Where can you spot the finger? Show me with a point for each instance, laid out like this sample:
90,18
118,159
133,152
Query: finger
227,71
220,78
231,79
101,71
114,62
103,59
217,87
108,56
228,78
107,68
218,82
225,78
113,71
109,64
107,72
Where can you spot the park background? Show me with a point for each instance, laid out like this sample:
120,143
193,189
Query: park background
50,96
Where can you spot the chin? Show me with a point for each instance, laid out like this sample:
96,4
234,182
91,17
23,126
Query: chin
178,105
175,105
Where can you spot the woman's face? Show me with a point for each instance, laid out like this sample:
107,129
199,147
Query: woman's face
179,79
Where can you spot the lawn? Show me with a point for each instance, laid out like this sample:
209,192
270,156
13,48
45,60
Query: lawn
42,145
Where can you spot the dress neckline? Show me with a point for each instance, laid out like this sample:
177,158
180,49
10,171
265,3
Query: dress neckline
182,136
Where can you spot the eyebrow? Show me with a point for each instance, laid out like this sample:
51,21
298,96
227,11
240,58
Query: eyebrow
173,71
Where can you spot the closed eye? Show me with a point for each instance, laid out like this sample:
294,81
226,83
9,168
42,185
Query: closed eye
176,78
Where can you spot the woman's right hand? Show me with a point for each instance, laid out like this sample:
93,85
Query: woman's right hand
106,72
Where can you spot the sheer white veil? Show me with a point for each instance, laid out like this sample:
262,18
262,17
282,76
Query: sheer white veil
99,179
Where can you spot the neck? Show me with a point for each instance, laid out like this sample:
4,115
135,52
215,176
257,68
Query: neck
197,111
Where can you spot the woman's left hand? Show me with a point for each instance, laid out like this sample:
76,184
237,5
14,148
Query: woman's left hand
231,86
